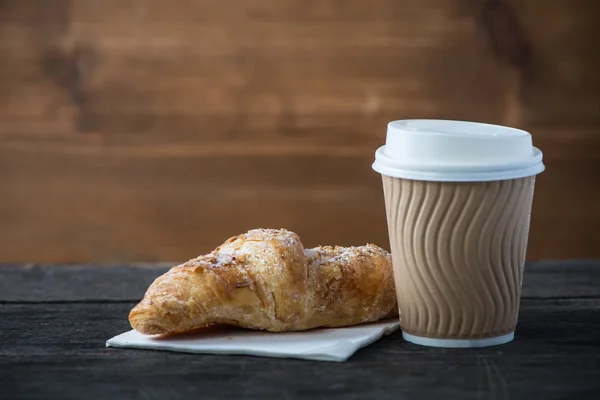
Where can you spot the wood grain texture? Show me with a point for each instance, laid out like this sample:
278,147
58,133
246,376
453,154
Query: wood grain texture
140,131
128,282
56,351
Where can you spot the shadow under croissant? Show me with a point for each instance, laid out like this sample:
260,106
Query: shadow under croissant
220,330
211,331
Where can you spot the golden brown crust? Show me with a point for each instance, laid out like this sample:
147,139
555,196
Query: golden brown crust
264,279
350,285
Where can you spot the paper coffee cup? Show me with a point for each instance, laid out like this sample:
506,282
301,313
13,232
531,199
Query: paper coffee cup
458,204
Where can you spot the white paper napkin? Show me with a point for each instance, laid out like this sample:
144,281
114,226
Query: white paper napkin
318,344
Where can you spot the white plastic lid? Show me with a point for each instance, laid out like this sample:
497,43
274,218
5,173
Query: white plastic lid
457,151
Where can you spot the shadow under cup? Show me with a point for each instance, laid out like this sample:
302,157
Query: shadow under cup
458,251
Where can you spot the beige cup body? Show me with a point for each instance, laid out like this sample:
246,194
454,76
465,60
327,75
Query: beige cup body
458,251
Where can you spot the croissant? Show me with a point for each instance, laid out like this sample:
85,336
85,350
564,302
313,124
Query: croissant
266,280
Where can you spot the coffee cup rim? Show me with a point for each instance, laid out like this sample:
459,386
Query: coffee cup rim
437,150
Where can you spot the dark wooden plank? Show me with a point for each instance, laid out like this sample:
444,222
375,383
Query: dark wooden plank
77,282
56,351
128,282
555,279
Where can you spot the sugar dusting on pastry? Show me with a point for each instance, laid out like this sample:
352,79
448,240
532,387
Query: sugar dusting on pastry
265,279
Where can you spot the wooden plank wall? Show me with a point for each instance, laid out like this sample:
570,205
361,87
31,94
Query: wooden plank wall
154,130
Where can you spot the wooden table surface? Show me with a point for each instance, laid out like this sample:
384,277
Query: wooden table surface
55,319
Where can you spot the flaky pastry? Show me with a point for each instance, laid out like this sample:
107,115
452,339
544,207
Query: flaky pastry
265,279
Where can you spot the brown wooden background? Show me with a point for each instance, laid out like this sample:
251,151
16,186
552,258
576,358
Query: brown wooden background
154,130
